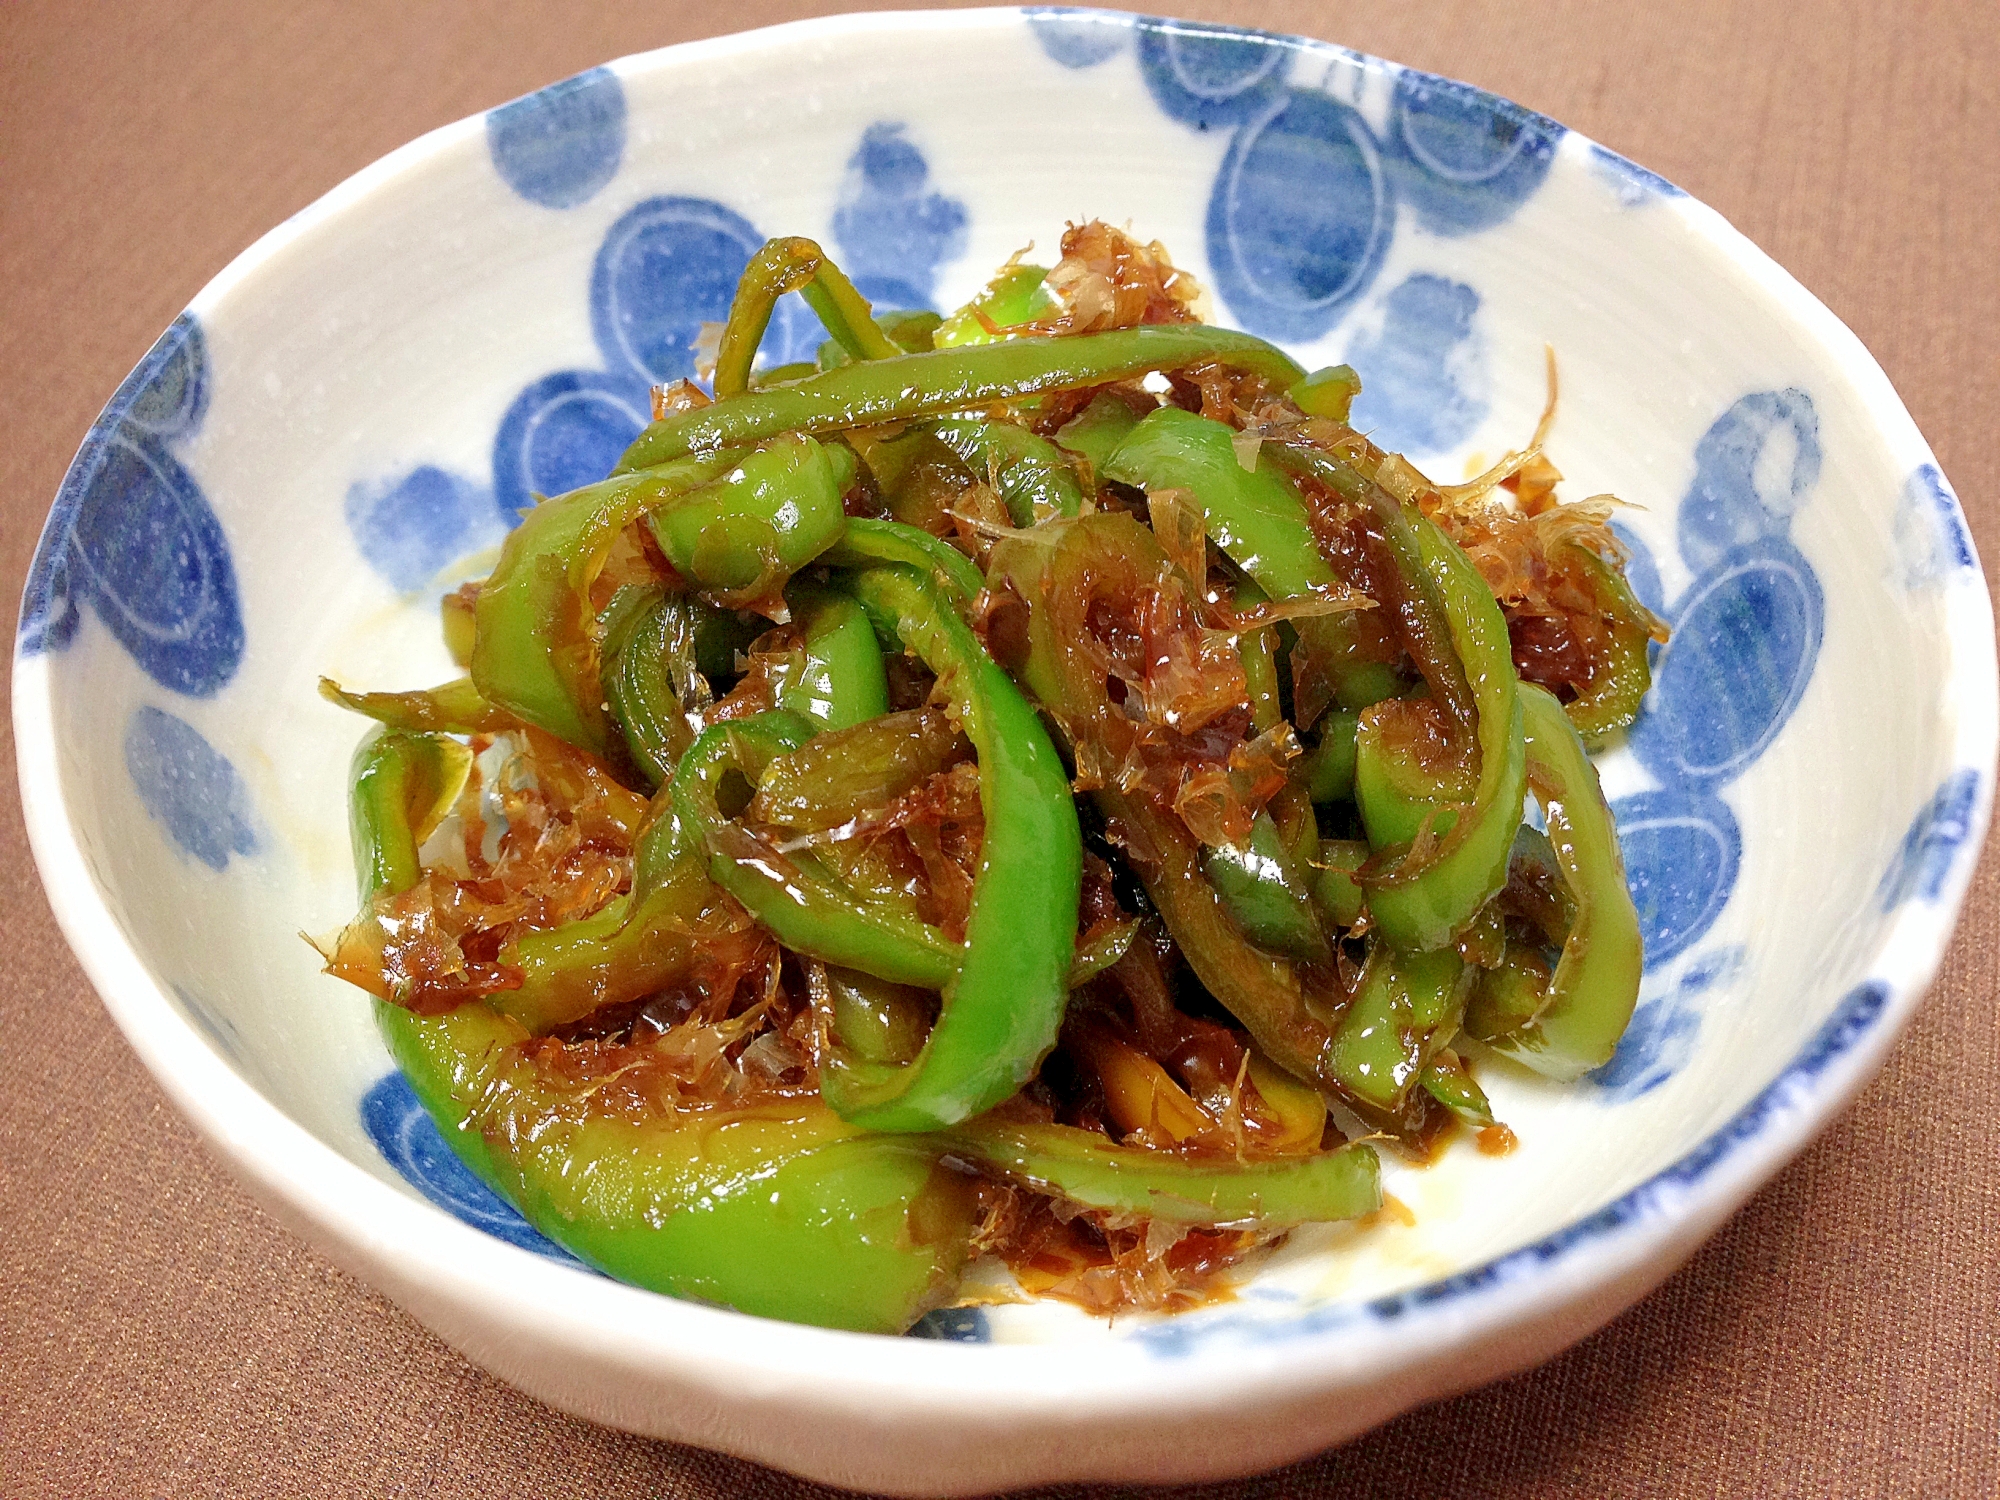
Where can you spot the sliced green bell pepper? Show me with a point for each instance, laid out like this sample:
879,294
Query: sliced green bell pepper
950,379
783,1210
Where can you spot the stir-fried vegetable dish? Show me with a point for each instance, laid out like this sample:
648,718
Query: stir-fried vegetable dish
1034,788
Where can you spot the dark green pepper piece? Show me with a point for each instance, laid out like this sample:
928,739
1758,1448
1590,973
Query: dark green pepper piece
946,380
1405,1007
1030,473
1257,519
456,707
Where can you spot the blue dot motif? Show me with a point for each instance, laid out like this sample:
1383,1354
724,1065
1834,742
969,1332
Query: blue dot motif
1299,218
1425,389
1682,849
1745,639
1206,76
133,536
1665,1025
1753,469
410,527
565,430
189,788
1930,537
408,1139
1078,38
560,145
1467,159
961,1325
665,268
894,231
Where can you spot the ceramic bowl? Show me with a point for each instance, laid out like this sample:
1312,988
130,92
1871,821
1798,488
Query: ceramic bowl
355,408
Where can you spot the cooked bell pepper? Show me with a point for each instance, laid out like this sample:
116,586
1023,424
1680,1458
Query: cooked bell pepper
836,776
1446,1080
808,907
1327,393
867,543
839,681
1405,1007
792,265
535,649
1055,573
761,521
641,942
648,661
1014,297
946,380
455,707
1002,1009
1327,770
1095,432
1591,995
1267,894
1086,1168
1610,700
1421,898
1031,474
1255,517
782,1210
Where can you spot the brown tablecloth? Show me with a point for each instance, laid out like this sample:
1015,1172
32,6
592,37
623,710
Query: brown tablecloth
160,1337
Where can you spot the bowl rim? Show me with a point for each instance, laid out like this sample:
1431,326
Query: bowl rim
1605,1259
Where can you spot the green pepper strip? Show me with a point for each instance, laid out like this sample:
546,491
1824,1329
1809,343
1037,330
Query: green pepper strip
1013,297
840,681
534,652
1328,392
1446,1080
640,654
1618,684
945,380
867,543
805,906
760,522
641,942
1264,881
1267,895
1422,904
836,776
1258,520
785,1212
456,707
401,786
1327,770
1002,1010
1056,571
1087,1169
792,265
1596,982
1030,472
1097,430
1406,1006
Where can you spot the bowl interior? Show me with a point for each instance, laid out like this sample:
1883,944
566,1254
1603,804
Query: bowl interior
347,419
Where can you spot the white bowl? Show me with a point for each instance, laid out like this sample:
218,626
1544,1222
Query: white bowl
287,482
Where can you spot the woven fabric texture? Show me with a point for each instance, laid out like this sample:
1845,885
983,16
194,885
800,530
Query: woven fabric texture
160,1336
